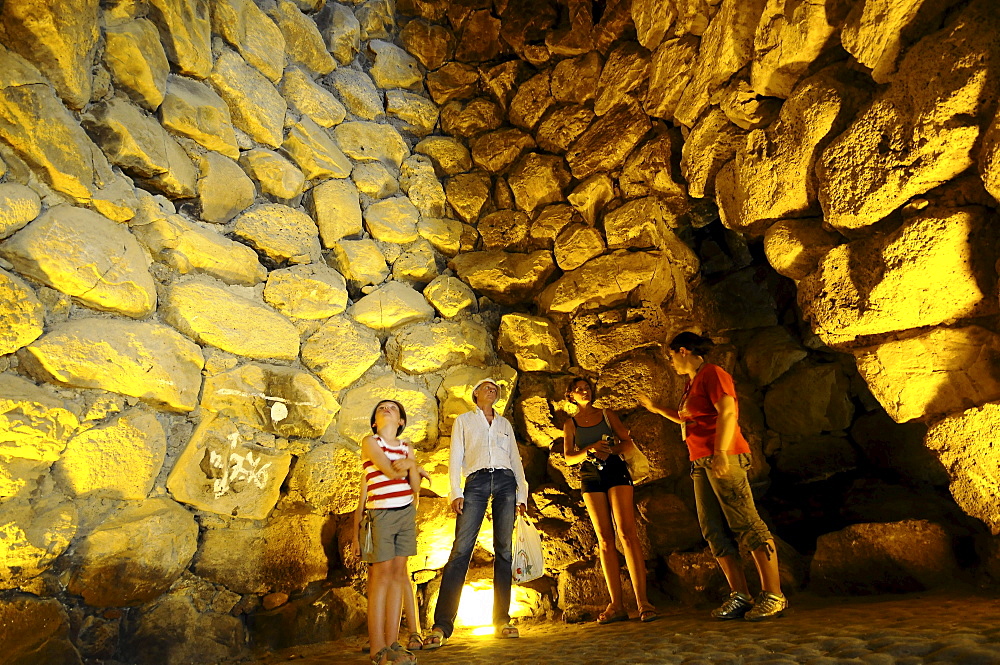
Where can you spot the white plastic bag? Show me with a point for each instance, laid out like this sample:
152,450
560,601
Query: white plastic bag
528,560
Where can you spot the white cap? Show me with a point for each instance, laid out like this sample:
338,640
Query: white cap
482,381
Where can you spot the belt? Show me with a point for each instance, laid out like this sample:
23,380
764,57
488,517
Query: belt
489,469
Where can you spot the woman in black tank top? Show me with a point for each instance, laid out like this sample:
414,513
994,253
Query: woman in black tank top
597,439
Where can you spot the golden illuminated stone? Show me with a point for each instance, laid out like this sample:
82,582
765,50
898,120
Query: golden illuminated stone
343,34
224,190
252,33
422,186
506,277
421,410
135,58
186,32
430,347
455,392
394,67
391,305
370,141
256,107
392,220
358,93
315,153
712,142
535,342
327,478
449,296
449,155
312,291
577,244
303,43
794,247
276,176
145,360
280,232
309,98
416,264
192,109
444,234
360,261
34,425
22,316
34,534
340,352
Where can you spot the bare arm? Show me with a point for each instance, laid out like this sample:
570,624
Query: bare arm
371,450
571,453
413,474
621,432
725,428
653,407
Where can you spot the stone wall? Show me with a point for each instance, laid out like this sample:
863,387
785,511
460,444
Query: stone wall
229,226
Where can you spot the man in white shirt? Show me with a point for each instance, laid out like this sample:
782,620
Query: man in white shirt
484,453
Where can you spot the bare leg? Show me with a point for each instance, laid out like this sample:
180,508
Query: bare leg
733,571
410,601
766,559
623,508
600,515
380,578
394,599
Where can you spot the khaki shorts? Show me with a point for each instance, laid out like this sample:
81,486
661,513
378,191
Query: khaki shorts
394,533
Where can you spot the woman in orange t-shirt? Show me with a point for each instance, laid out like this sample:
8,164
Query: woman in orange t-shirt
708,415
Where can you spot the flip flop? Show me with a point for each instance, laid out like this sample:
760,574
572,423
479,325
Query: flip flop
508,632
435,639
605,618
646,616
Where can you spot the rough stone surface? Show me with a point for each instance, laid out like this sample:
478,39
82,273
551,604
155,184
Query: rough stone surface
472,118
391,305
506,277
809,399
36,532
220,472
256,106
449,155
360,261
710,145
794,247
770,353
285,555
577,244
311,291
224,190
135,556
276,176
538,180
252,33
22,315
137,62
467,193
369,141
281,400
444,234
192,109
119,460
938,372
190,248
433,45
210,314
671,67
358,93
626,69
883,558
431,347
965,443
315,153
535,342
35,425
42,629
498,150
575,80
343,34
340,352
392,220
922,274
186,33
421,410
18,206
418,114
504,229
144,360
449,296
416,264
303,43
87,256
307,97
336,207
876,166
394,67
374,179
280,232
608,141
640,223
562,126
327,478
452,81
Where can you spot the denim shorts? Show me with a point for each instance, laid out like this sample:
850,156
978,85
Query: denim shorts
726,511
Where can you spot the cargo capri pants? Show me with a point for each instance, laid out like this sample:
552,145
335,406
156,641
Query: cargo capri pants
726,508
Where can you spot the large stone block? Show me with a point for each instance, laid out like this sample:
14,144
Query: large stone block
135,556
186,33
327,478
770,353
711,143
470,119
141,147
342,33
193,110
432,45
137,62
538,180
211,314
360,261
577,244
341,351
144,360
303,43
431,347
506,277
596,342
309,98
930,270
393,220
421,410
221,472
256,106
652,21
592,195
922,130
312,291
794,247
535,341
22,315
504,229
607,142
87,256
771,177
449,296
418,114
989,158
281,232
36,532
497,150
34,425
467,194
59,38
391,305
224,189
653,169
563,125
252,33
189,248
282,400
285,555
896,557
358,93
277,177
316,154
117,460
36,630
394,67
575,80
726,46
941,371
966,445
18,206
809,399
452,81
671,67
370,141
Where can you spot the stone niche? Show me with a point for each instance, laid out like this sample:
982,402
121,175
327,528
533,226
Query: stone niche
228,228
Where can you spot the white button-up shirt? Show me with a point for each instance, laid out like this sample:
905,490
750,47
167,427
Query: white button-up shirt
478,444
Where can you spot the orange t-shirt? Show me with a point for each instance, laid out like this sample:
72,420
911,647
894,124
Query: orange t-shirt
697,409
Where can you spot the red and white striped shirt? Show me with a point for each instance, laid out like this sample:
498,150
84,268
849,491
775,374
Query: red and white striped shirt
383,491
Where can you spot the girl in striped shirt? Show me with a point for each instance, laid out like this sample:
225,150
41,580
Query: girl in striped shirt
391,479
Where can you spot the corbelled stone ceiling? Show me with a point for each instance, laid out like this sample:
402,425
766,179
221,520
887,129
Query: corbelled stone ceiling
228,227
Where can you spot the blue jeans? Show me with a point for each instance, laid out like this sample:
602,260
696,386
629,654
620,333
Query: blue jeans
480,487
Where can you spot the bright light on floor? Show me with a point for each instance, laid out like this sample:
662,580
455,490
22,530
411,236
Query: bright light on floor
476,607
483,630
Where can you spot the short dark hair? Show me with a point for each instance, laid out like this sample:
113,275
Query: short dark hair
572,385
402,415
696,344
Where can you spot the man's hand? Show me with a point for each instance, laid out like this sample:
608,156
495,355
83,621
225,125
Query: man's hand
522,509
720,464
457,506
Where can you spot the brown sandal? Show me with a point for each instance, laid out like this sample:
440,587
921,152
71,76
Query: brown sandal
415,642
435,639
